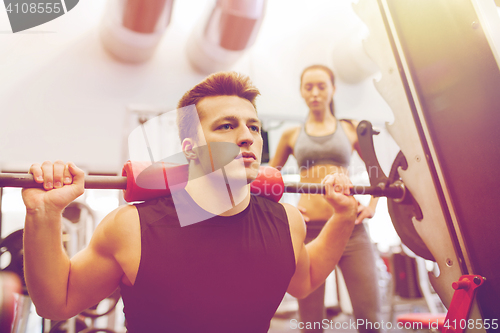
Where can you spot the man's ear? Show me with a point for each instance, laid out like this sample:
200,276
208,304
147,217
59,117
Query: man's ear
188,146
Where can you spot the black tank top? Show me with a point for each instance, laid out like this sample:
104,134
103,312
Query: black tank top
225,274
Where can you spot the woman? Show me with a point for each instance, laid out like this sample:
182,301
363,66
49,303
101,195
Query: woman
321,146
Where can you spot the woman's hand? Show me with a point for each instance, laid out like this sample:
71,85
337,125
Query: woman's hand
364,212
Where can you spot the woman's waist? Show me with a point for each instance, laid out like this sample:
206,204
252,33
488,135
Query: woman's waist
316,173
316,207
315,227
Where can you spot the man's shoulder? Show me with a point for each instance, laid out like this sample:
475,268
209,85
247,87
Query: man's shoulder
116,230
295,219
292,212
126,214
121,218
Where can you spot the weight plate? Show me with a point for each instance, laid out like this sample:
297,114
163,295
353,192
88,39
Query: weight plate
93,311
402,213
62,326
13,245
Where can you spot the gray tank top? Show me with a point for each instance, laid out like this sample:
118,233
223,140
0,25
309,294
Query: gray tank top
333,149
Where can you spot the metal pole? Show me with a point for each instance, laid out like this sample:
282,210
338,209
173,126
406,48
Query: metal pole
395,191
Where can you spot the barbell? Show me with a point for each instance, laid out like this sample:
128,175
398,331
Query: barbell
144,180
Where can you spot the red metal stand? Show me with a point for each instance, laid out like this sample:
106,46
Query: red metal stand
456,319
458,312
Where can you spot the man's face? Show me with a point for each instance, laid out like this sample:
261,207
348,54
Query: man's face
232,119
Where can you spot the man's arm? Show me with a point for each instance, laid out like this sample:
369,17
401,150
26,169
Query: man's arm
59,287
316,260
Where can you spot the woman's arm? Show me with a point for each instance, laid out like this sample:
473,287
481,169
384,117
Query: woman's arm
284,149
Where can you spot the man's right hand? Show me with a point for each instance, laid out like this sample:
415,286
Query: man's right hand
63,183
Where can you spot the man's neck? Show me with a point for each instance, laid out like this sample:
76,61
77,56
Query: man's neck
212,194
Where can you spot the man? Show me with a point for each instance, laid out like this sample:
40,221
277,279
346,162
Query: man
227,273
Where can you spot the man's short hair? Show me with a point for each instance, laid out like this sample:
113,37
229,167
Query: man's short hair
217,84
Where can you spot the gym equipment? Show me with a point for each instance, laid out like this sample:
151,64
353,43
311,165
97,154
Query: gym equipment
401,209
225,33
93,311
161,177
9,286
78,224
440,75
12,246
131,30
403,212
63,326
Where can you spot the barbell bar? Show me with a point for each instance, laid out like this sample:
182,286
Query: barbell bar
395,190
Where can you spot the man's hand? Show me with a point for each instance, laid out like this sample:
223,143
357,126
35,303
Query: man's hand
337,188
63,183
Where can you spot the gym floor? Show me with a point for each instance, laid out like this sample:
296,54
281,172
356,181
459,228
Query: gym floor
286,323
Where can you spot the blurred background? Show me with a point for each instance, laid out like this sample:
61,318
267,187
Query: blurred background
65,96
75,87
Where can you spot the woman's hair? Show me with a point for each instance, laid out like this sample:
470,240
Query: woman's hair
330,74
217,84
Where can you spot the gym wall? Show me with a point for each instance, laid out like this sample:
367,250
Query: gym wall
62,96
